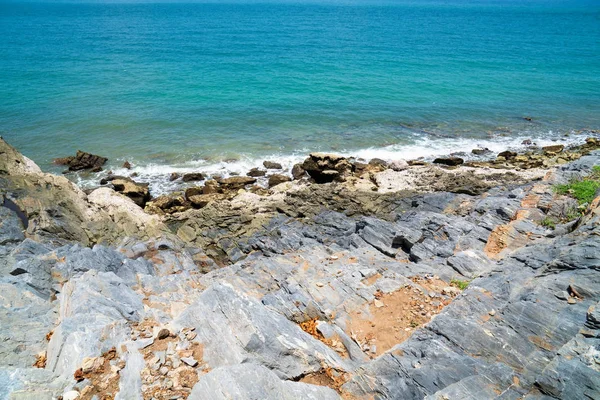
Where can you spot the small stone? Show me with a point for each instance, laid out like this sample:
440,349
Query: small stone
127,165
272,165
189,361
562,295
378,303
319,284
163,370
571,300
163,334
334,258
191,335
71,395
492,313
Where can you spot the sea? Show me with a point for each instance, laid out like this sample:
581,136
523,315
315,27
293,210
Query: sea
219,87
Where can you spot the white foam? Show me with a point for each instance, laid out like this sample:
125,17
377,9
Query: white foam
157,175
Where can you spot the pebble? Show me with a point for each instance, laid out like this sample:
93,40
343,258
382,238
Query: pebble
378,303
163,334
189,361
71,395
163,370
320,284
334,258
492,313
571,300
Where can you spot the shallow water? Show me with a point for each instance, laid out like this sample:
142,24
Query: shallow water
186,86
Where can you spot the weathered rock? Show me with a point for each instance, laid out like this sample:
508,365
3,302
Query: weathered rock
194,191
201,200
192,176
554,149
398,165
272,165
276,179
508,154
138,192
255,172
174,176
82,160
127,165
236,182
481,152
451,161
298,172
325,168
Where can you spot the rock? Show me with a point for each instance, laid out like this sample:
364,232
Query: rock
272,165
325,168
508,154
554,149
163,334
201,200
398,165
174,176
211,186
91,364
71,395
138,192
481,151
276,179
127,165
82,160
255,172
451,161
379,163
527,142
193,191
189,361
298,172
236,182
192,176
251,381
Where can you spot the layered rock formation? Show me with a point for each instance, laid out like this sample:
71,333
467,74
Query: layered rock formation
406,283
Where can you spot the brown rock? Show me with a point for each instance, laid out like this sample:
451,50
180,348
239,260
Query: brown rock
138,192
201,200
193,191
163,334
255,172
297,171
236,182
272,165
325,168
82,160
507,154
451,161
211,186
480,152
554,149
127,165
174,176
192,176
276,179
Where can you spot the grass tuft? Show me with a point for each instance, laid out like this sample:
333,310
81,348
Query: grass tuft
462,285
583,190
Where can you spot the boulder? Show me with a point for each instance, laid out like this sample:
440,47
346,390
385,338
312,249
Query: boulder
378,163
236,182
194,191
127,165
255,172
174,176
554,149
211,186
272,165
297,171
138,192
192,176
82,160
325,168
201,200
398,165
507,154
450,161
276,179
481,152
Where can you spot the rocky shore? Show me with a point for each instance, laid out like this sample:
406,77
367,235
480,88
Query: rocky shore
337,279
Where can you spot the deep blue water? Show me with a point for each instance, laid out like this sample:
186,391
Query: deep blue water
191,84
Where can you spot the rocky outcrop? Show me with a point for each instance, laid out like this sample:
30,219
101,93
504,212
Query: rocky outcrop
138,192
324,291
325,168
81,161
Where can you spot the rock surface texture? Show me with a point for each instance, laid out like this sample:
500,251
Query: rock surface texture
372,281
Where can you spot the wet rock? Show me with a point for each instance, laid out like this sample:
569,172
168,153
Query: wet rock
378,163
276,179
298,172
451,161
236,182
192,176
481,151
211,186
138,192
193,191
527,142
325,168
272,165
127,165
255,172
554,149
81,161
508,154
174,176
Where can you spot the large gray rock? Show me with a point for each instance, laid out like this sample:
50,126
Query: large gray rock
250,381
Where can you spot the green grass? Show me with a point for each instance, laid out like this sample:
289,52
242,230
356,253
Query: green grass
462,285
583,190
548,223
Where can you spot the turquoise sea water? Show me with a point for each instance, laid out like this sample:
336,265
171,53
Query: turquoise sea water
171,86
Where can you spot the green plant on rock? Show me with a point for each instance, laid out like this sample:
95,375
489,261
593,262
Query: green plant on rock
583,190
462,285
548,222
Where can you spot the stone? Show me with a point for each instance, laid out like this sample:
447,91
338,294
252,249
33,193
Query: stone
481,151
202,200
272,165
71,395
192,176
174,176
81,161
194,191
163,334
508,154
323,167
127,165
236,182
553,149
298,171
398,165
255,172
277,179
189,361
138,192
450,161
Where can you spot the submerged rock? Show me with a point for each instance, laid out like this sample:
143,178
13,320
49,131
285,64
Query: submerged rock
82,160
255,172
272,165
192,176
